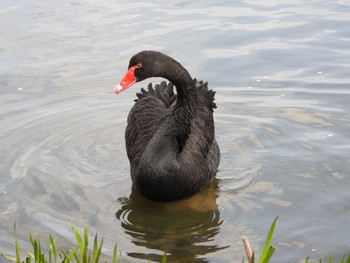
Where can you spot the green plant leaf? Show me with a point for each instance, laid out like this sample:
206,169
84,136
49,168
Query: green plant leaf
115,254
18,253
80,243
76,258
269,254
95,247
68,258
268,241
36,249
42,258
52,249
86,243
8,257
78,237
164,258
348,259
97,251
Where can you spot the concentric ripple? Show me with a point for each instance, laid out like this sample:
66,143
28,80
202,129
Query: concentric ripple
60,154
184,229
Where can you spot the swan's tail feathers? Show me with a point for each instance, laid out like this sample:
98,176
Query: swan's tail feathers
208,94
141,94
211,98
163,91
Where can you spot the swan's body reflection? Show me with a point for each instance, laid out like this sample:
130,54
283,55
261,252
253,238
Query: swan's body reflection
183,229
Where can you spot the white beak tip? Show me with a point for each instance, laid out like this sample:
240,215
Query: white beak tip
118,88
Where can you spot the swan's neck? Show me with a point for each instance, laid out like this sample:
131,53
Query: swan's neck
179,124
162,157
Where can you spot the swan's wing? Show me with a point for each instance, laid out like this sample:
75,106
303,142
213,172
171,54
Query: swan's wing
146,116
163,91
202,136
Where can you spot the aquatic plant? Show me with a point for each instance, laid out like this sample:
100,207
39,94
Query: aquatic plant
269,250
81,253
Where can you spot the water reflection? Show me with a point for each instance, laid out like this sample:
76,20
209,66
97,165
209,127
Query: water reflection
184,229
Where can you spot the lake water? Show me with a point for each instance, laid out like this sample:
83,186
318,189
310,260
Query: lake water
281,70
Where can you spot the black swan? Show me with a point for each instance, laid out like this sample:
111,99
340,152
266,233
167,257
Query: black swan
170,138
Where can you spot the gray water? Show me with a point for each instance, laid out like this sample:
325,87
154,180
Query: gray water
281,73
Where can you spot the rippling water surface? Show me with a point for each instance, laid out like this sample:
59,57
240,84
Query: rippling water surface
281,72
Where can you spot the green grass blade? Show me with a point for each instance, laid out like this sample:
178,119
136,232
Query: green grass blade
68,258
72,255
35,254
53,249
307,260
79,240
42,258
348,259
269,254
86,243
18,253
253,257
31,255
268,241
97,250
50,254
164,258
76,258
62,256
8,257
78,237
115,254
94,250
100,247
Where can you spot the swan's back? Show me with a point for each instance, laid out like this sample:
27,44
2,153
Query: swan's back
149,112
170,139
154,106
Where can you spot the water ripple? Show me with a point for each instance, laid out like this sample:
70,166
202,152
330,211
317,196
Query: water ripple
185,229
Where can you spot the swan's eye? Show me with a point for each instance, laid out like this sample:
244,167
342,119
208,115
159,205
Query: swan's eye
139,65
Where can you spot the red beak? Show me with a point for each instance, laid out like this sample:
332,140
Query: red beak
127,81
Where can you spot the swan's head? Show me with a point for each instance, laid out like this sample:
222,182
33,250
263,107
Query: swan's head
144,65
